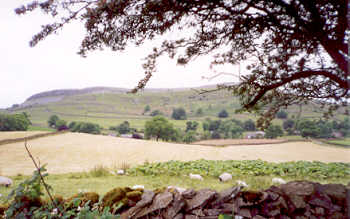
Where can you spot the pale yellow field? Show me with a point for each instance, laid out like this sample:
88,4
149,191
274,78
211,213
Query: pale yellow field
72,152
13,135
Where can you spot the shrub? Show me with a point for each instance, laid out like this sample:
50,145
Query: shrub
223,114
52,121
249,125
179,114
190,137
146,109
288,126
215,135
199,112
191,125
85,127
61,125
273,131
156,113
99,171
282,114
123,128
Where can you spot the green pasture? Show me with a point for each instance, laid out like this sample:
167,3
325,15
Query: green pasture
111,109
100,179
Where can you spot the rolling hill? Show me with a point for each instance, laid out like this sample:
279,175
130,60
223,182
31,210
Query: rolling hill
110,106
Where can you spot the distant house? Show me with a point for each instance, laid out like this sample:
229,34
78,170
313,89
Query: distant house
135,135
336,134
257,134
126,135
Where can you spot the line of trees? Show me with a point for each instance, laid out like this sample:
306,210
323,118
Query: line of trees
14,122
85,127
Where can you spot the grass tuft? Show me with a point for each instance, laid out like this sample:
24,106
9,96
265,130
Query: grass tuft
124,166
99,171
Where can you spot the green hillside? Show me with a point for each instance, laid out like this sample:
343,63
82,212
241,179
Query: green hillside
109,108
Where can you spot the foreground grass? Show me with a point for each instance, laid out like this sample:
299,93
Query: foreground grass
73,183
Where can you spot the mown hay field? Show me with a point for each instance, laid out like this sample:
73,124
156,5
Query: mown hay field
76,152
20,134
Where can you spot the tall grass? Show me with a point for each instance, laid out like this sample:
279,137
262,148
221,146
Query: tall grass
99,171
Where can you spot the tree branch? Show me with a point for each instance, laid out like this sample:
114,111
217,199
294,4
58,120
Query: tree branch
41,176
303,74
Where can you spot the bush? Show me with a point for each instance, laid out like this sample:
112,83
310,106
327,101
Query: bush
282,114
249,125
273,131
156,113
122,128
288,126
190,137
199,112
99,171
223,114
85,127
52,121
61,125
179,114
14,122
215,135
191,125
146,109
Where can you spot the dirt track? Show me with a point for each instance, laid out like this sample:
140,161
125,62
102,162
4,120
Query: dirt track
74,152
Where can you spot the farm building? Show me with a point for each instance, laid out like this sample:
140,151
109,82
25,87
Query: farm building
257,134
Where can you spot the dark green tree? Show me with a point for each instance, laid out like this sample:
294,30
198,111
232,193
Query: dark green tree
179,114
146,109
249,125
199,112
344,127
308,128
230,129
52,121
14,122
223,114
156,113
190,136
85,127
325,130
282,114
191,126
273,131
123,128
299,48
288,126
214,125
159,128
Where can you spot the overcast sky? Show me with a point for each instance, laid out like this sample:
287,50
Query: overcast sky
54,63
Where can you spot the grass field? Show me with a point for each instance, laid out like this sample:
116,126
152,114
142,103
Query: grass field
345,141
76,152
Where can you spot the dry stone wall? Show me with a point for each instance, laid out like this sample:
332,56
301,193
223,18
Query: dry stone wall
297,199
